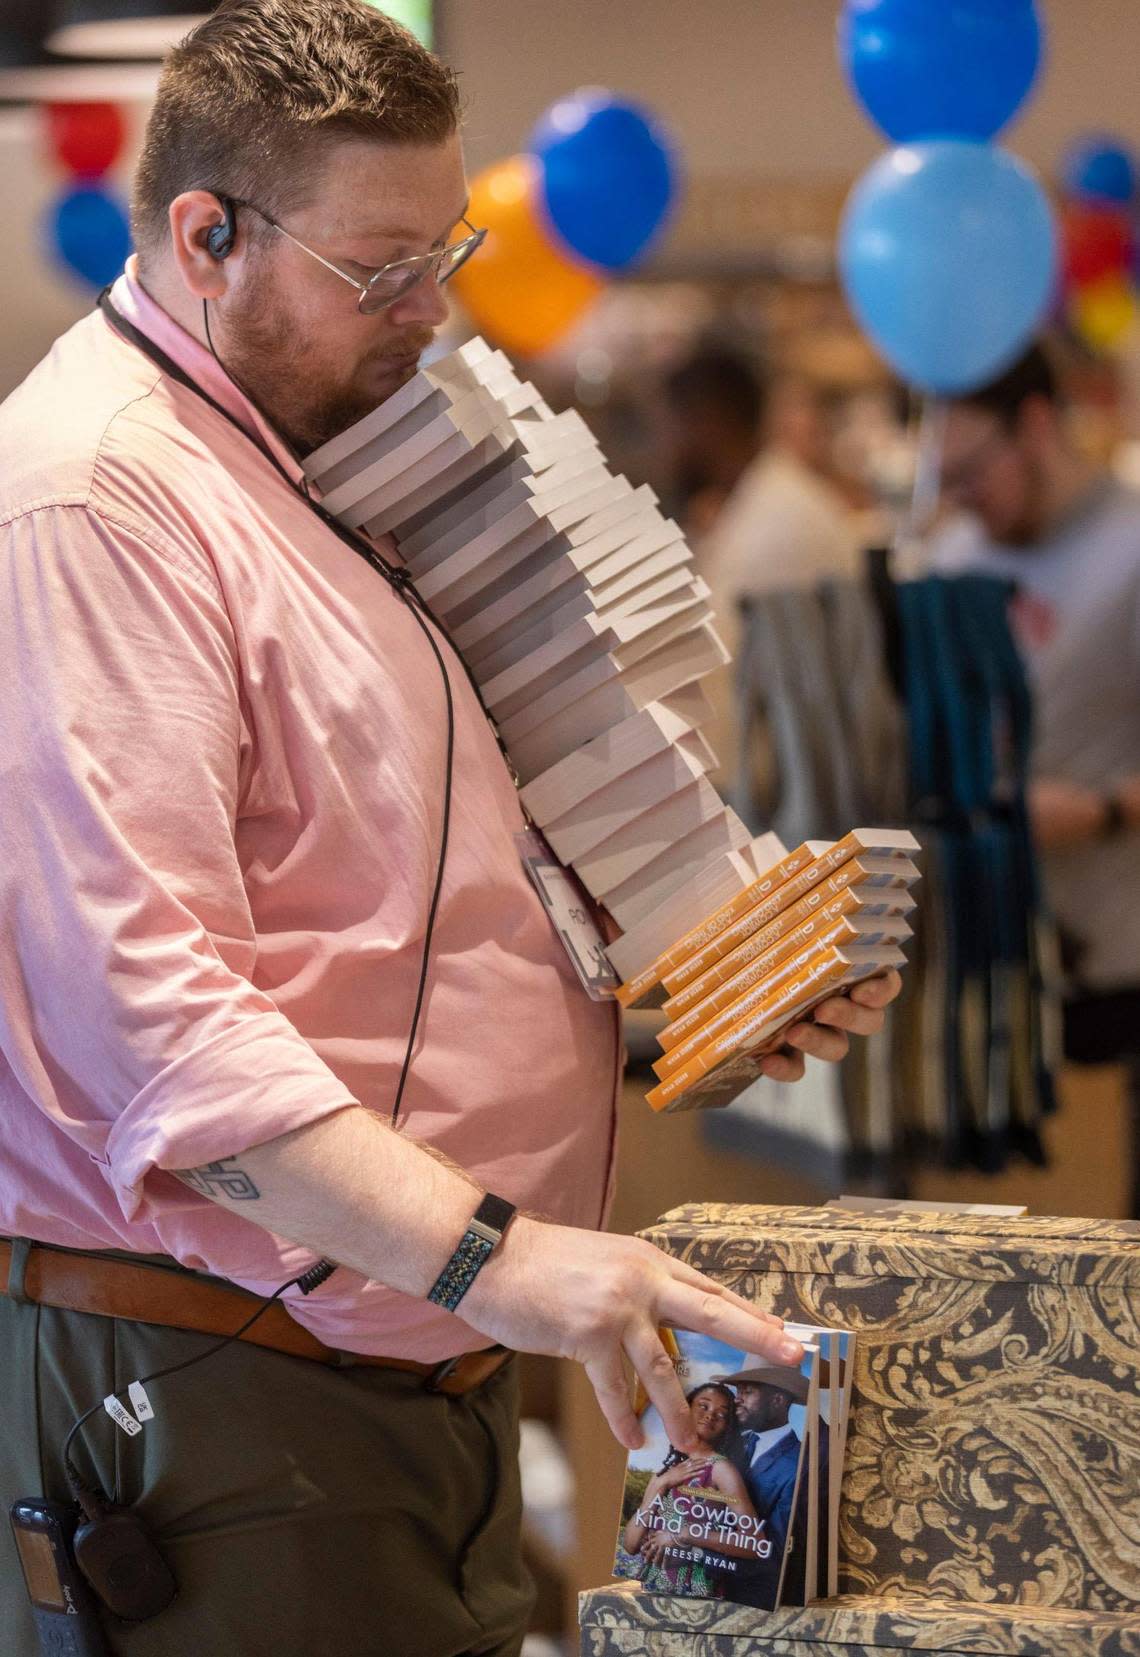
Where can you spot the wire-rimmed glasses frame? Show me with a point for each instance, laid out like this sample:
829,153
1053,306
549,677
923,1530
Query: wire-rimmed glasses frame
392,281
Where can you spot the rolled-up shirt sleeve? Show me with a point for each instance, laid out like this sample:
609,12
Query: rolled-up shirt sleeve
127,1010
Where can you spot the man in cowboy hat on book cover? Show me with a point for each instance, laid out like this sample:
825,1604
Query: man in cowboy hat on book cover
765,1394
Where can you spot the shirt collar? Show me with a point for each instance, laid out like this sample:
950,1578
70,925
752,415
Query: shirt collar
761,1443
132,301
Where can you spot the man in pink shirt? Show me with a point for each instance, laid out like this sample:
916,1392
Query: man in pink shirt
225,750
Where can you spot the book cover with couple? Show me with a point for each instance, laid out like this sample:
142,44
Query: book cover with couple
752,1516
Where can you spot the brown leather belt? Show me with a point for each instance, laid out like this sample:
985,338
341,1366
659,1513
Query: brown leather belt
112,1288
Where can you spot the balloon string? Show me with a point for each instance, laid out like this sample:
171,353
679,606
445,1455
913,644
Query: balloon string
927,476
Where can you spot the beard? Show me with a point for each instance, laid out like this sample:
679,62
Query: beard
291,381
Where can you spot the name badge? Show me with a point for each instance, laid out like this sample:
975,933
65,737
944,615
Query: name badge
571,915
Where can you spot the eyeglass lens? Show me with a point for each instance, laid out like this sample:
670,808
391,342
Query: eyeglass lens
389,285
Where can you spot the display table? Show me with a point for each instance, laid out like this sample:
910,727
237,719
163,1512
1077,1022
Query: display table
621,1621
991,1492
994,1448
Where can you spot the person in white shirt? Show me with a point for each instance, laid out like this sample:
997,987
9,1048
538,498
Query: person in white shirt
760,517
1035,510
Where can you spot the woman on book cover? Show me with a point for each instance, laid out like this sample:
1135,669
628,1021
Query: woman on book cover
668,1565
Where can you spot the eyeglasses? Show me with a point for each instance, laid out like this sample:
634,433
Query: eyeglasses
391,282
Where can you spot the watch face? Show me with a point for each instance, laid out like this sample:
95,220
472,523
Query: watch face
494,1212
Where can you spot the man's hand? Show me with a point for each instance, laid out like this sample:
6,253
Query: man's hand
859,1013
599,1299
354,1191
1064,814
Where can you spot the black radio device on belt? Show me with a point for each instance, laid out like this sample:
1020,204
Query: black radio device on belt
66,1619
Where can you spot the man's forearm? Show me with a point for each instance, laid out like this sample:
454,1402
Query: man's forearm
354,1191
1064,814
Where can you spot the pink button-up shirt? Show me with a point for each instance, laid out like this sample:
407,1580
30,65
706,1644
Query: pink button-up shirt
222,760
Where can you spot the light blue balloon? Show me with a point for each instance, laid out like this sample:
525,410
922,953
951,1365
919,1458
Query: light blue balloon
948,255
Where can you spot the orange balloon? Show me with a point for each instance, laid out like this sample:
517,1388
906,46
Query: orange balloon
518,287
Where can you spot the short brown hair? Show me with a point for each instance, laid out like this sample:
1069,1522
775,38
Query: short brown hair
1031,376
249,99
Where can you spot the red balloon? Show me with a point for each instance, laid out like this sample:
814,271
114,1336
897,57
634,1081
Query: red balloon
87,138
1098,243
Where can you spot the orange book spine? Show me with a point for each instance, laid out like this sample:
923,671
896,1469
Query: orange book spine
629,994
819,905
822,927
691,966
839,933
741,904
823,971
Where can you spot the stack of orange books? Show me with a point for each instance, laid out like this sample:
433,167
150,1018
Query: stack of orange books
823,919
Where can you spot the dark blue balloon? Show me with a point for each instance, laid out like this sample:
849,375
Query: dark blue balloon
949,256
940,68
1100,169
91,234
609,176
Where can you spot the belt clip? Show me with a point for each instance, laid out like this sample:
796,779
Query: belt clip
478,1368
18,1270
441,1373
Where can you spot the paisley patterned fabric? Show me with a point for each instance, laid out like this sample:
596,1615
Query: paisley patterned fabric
618,1623
994,1449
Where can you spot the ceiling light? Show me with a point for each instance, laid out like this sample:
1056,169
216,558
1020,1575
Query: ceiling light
120,28
29,74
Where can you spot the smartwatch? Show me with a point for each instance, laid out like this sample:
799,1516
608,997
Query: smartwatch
484,1232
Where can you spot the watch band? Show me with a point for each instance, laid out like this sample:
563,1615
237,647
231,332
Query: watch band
484,1232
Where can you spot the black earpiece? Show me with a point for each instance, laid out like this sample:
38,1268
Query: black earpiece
220,238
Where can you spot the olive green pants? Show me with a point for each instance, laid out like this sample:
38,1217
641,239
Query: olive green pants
305,1511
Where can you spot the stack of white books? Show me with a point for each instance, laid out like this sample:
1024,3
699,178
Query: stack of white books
577,608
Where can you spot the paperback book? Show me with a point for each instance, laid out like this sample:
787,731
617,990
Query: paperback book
751,1516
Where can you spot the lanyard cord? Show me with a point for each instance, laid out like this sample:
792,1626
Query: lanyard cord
401,583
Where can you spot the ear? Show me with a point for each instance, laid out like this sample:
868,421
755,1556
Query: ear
192,217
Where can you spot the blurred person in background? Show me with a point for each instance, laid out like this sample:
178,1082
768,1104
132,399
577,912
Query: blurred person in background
1032,507
760,513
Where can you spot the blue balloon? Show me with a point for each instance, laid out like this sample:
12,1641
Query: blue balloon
1100,169
940,68
609,176
948,254
91,234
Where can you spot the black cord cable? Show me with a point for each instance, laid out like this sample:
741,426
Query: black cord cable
89,1497
433,910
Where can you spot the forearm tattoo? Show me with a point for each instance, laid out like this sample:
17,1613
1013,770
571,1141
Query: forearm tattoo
220,1179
